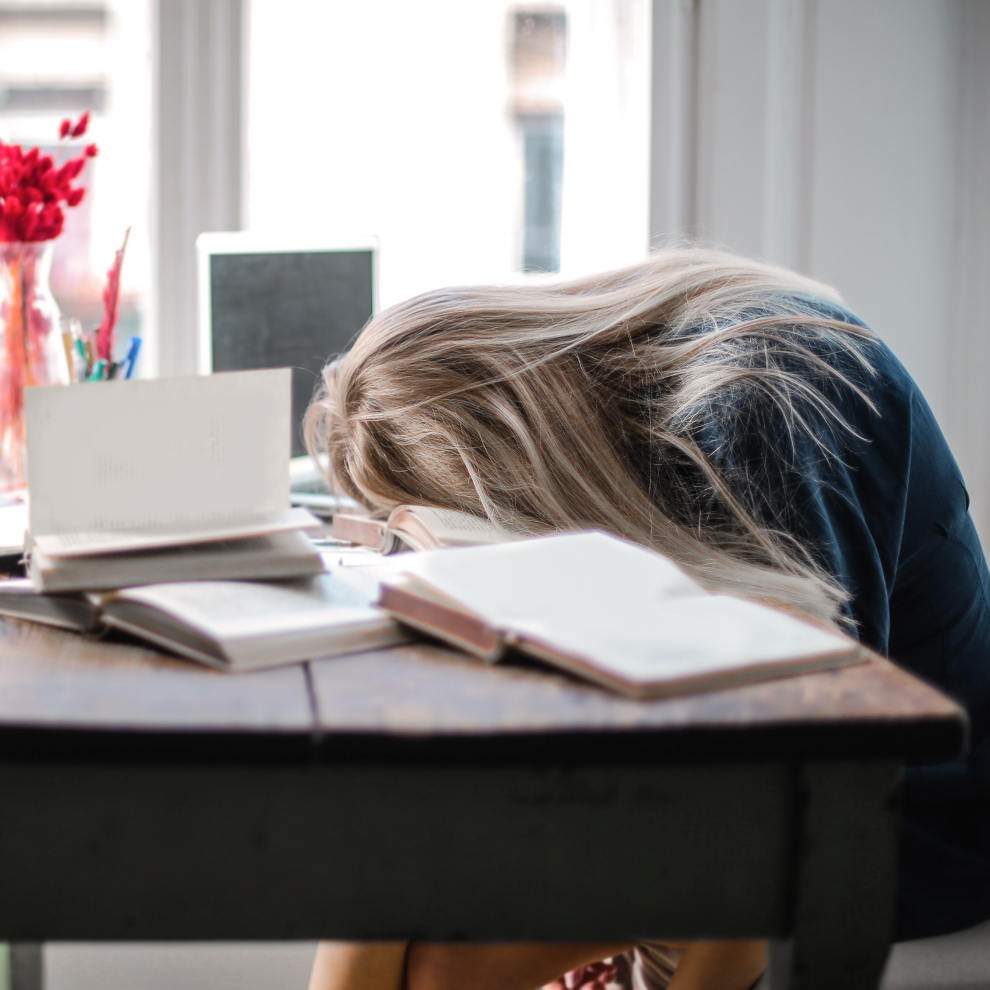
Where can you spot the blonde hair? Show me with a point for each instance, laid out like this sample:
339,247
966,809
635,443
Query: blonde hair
537,405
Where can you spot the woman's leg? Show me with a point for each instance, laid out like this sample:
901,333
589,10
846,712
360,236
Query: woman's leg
359,966
733,965
516,966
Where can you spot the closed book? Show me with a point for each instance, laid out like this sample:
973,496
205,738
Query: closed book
19,599
276,555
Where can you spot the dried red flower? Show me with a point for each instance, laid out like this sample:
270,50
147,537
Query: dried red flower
111,295
32,189
80,129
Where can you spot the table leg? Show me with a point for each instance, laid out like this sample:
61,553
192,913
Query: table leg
26,971
846,876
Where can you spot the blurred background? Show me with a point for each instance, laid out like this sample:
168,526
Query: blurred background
483,140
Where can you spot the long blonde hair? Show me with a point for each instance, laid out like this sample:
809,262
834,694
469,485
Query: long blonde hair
537,405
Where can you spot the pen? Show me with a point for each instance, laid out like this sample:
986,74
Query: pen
130,361
82,370
69,355
99,371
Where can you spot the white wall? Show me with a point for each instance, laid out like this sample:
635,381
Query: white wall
849,139
605,220
882,221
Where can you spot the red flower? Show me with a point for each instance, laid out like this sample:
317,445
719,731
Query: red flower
81,124
111,295
32,189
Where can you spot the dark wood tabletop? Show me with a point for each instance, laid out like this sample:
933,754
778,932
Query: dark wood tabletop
413,792
63,694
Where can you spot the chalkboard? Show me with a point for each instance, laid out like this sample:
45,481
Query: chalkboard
293,309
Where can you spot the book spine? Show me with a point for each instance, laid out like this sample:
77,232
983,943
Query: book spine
461,629
359,529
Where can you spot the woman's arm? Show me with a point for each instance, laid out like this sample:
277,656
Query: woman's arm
735,965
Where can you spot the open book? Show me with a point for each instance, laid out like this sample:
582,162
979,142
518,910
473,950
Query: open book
135,466
233,625
609,611
418,527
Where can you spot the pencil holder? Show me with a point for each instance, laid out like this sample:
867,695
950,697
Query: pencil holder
31,347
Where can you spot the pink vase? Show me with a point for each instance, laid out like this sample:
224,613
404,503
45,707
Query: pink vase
31,347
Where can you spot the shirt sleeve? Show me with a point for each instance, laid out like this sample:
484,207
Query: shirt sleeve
875,494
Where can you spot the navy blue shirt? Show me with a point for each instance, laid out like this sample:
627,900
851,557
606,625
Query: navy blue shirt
880,501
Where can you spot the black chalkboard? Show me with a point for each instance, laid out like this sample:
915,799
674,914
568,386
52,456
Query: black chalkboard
288,309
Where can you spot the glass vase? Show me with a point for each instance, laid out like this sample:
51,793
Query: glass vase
31,347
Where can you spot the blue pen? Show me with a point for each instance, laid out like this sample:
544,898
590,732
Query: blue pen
132,355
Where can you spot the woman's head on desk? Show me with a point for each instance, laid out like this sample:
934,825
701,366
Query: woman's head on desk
596,403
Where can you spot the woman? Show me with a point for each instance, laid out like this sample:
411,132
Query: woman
738,419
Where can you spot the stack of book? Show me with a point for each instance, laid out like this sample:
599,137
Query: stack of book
163,508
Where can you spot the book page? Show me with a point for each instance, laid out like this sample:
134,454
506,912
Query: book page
448,526
192,455
695,637
552,579
226,610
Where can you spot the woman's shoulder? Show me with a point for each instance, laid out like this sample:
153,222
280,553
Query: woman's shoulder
800,360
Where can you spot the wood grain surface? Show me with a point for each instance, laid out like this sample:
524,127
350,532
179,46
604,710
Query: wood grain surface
425,690
56,680
59,679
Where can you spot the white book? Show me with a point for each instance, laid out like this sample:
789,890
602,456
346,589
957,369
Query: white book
607,610
131,465
266,557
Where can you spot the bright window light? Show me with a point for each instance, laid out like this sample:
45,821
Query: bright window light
478,141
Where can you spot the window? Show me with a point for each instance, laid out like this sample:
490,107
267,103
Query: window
478,141
57,61
538,58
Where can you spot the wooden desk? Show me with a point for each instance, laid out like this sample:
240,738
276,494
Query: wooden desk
411,793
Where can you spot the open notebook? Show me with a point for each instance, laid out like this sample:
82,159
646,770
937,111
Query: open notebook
606,610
